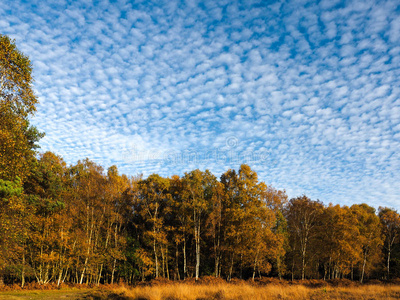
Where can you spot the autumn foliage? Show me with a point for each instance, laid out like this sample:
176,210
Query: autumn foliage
82,224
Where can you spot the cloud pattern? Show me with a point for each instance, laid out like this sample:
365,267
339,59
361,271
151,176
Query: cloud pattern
306,92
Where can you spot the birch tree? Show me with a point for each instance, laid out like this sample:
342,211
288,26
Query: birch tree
390,220
198,188
370,238
302,215
151,204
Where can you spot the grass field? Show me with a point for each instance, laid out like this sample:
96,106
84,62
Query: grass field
46,295
247,292
218,291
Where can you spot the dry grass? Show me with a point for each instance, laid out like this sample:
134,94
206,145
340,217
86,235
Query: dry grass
184,291
219,290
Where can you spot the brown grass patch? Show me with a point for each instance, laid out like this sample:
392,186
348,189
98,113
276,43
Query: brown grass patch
226,291
218,289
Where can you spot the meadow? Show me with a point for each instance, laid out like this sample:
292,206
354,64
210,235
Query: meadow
248,292
220,290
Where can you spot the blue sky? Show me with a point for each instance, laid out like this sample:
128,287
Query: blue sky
305,92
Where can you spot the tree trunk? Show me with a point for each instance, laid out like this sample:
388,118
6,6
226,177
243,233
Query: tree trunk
83,271
196,220
155,251
303,261
98,279
217,256
113,271
388,263
89,234
177,277
217,243
166,261
255,265
216,269
352,271
162,261
363,269
293,268
59,277
231,268
197,235
23,270
184,259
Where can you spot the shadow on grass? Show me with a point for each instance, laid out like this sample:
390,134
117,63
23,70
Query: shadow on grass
105,295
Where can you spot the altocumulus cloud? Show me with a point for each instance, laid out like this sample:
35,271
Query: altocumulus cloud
306,92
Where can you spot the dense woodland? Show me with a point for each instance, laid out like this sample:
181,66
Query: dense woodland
83,224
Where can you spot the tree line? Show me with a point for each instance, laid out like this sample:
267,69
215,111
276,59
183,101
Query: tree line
82,224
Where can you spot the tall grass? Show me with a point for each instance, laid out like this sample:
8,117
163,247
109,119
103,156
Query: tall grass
222,291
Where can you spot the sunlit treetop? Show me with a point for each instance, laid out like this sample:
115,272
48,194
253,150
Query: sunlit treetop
17,102
16,91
